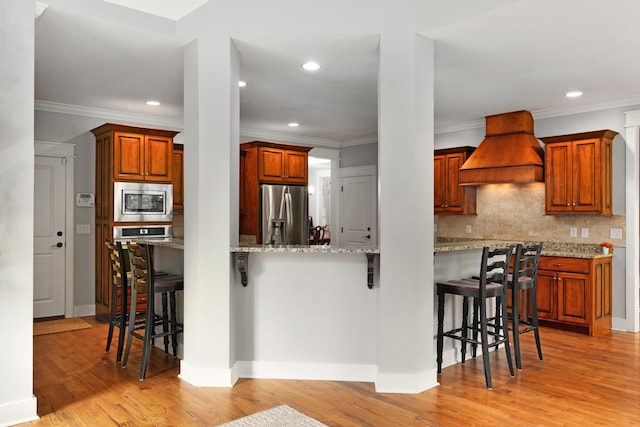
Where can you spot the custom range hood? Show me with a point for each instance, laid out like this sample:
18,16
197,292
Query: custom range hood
510,153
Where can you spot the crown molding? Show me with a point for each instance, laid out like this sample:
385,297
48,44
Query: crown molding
110,115
359,141
271,136
549,113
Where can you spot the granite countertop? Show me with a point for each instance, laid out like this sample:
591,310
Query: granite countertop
320,249
560,249
175,243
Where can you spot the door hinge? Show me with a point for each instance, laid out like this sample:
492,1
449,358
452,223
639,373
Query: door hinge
342,188
342,229
64,161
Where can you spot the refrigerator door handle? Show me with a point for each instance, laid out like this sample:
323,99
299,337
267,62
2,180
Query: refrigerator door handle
288,217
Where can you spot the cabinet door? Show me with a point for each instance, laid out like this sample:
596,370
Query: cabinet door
586,187
177,177
270,164
455,193
129,154
573,297
159,152
559,178
295,167
439,183
546,295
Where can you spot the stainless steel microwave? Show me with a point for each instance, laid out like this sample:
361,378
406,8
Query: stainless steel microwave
142,202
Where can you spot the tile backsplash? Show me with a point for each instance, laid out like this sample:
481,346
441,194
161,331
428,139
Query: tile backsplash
516,211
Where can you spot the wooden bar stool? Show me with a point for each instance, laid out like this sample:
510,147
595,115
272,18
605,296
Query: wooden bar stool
491,283
165,284
119,282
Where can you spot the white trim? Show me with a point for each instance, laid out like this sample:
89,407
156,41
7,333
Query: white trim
632,295
206,377
406,383
66,151
18,412
307,371
110,115
273,136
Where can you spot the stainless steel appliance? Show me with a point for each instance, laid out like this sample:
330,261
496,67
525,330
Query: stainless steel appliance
151,231
142,202
284,219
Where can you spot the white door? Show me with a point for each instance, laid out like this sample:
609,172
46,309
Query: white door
49,237
358,216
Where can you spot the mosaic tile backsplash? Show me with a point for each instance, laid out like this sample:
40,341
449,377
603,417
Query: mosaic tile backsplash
512,211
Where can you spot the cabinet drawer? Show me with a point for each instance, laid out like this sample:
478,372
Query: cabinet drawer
573,265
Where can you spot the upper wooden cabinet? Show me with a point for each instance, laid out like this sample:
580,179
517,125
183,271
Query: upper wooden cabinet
177,177
449,196
283,165
139,154
578,173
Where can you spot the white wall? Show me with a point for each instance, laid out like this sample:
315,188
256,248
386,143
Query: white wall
17,402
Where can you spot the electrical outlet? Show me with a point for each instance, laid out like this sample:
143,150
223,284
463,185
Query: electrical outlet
585,233
573,232
468,229
616,233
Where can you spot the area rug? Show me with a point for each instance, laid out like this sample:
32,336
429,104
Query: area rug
59,325
280,416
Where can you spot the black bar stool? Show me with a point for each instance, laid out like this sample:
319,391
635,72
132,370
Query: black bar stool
492,283
165,284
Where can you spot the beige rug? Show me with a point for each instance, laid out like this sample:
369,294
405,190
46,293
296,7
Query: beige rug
280,416
59,325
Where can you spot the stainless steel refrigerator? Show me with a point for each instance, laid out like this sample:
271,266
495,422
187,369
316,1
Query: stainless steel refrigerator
284,218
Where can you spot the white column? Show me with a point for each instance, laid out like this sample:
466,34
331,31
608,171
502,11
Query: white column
632,297
17,402
406,355
211,123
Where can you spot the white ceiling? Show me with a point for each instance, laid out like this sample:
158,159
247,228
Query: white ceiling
519,55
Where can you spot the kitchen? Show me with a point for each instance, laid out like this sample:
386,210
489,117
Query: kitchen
402,246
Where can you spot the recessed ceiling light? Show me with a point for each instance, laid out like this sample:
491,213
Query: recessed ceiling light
153,103
294,124
574,94
242,83
311,66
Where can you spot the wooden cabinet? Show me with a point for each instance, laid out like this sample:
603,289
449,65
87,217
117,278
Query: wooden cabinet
267,163
578,175
177,177
123,153
282,165
449,196
576,293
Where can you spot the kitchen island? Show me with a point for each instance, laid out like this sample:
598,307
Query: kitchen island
574,280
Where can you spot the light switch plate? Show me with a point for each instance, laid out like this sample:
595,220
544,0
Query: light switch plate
83,228
585,233
468,229
573,232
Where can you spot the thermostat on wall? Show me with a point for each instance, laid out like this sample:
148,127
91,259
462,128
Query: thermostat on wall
85,200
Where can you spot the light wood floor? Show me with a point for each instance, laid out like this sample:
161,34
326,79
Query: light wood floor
582,381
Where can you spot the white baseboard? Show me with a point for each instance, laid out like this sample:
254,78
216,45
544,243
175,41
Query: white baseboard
207,377
406,383
84,310
306,371
13,413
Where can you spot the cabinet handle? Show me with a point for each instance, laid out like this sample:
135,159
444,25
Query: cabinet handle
558,265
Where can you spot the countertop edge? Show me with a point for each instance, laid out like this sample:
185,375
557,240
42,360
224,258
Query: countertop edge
321,249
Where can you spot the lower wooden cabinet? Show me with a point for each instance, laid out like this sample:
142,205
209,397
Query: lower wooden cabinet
575,292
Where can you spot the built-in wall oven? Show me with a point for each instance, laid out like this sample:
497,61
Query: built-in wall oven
142,202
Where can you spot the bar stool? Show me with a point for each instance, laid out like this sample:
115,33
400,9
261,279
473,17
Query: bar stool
491,283
525,276
119,282
146,282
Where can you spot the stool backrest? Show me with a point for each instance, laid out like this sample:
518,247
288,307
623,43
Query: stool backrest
494,266
527,259
142,266
119,264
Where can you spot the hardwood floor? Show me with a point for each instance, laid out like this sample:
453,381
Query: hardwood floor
582,381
